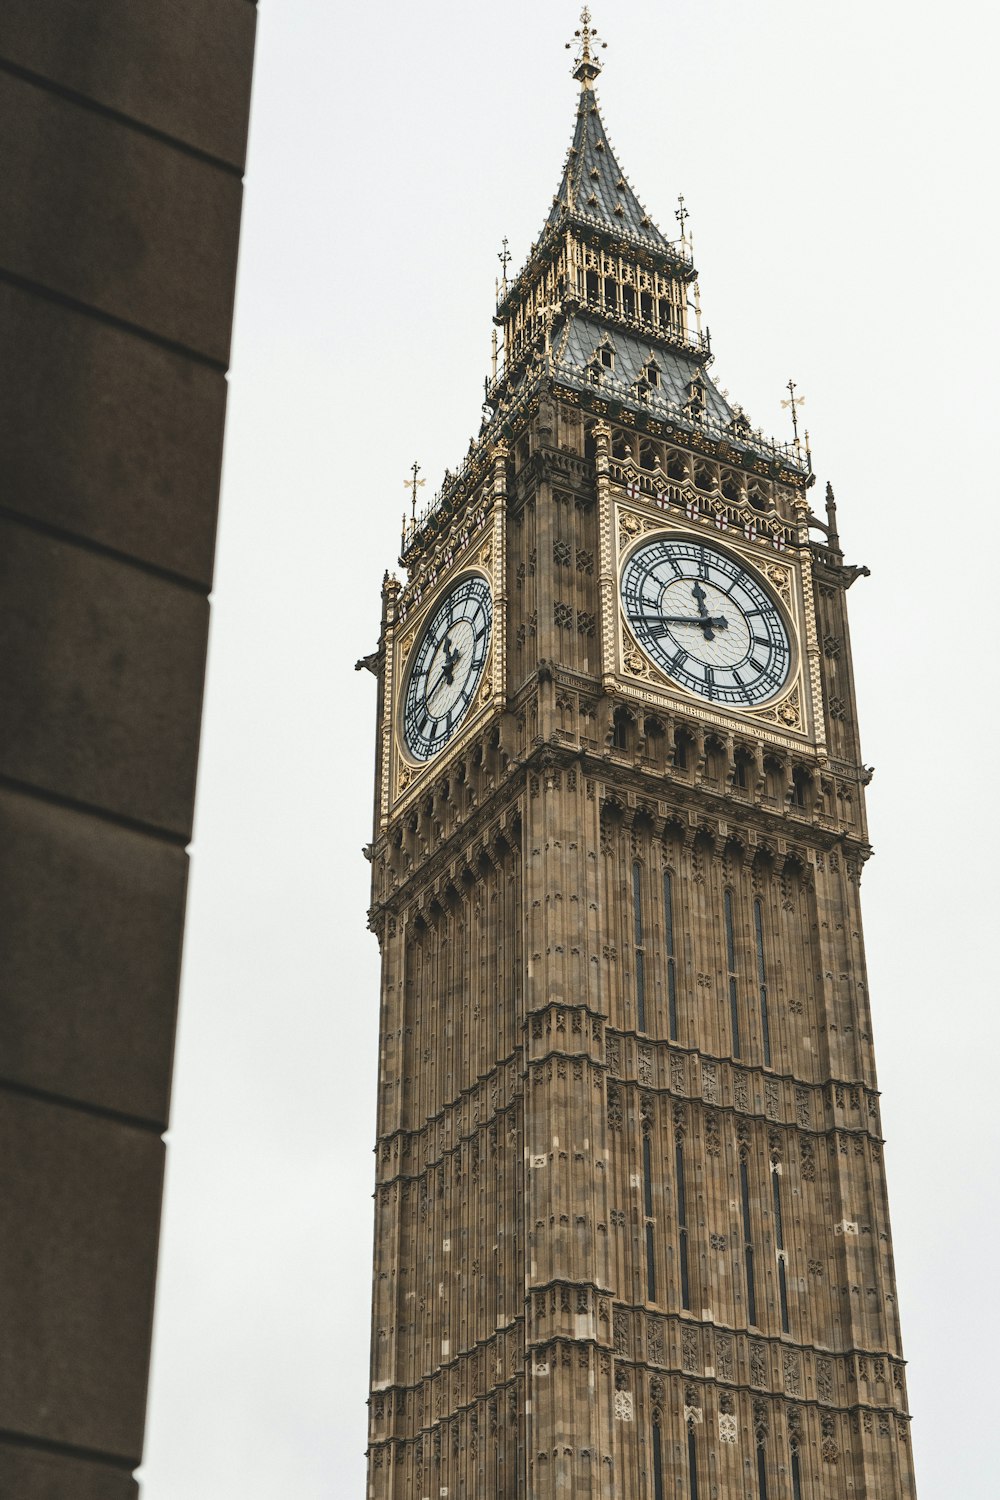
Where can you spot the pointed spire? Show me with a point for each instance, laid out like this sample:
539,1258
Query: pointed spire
833,535
594,187
587,65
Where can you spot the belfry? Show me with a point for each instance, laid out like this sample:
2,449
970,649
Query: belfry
631,1227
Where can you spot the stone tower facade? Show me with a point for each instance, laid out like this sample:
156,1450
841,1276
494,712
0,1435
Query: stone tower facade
631,1230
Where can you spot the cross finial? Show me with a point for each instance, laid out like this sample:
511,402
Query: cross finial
792,404
587,65
504,257
413,484
681,215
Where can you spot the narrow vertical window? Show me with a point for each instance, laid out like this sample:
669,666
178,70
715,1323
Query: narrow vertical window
682,1225
748,1243
658,1465
692,1463
761,1472
796,1476
668,928
640,952
647,1205
765,1031
734,1013
779,1240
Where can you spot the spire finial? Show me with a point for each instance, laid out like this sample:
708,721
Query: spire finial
413,485
832,535
682,214
794,402
587,65
504,257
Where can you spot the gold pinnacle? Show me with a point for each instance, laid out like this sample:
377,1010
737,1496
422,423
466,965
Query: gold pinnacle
587,65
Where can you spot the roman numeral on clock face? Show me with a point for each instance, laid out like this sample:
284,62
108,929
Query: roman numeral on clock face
707,620
446,667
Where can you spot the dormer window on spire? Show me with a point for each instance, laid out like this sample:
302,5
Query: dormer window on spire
695,404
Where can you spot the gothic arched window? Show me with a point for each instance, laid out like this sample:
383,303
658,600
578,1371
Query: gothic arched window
668,942
765,1030
640,947
779,1243
734,1010
680,1192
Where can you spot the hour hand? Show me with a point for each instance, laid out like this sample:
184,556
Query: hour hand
450,659
447,671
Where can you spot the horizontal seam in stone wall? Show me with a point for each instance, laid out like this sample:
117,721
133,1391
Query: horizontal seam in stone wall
81,1106
50,294
732,1330
39,80
738,1064
67,1450
450,1367
92,809
88,544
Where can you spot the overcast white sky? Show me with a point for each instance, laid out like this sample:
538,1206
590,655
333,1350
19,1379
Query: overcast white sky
839,162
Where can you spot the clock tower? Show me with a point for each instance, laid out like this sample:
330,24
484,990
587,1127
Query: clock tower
631,1228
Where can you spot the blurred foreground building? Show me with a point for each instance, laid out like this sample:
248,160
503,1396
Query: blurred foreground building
124,125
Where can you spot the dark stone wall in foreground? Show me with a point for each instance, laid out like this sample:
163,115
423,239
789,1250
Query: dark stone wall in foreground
124,128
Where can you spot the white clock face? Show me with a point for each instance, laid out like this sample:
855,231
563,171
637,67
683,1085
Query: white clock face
446,667
707,621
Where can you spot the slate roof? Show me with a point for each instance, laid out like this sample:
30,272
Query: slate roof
592,173
582,336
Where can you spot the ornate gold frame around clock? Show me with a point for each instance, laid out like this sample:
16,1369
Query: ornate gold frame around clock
792,711
477,559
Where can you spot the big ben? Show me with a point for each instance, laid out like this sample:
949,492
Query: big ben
631,1227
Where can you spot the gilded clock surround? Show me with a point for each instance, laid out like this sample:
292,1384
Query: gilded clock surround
620,938
778,579
410,646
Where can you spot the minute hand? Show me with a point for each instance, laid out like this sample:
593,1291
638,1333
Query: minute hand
705,622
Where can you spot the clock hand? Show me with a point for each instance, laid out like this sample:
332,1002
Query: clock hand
447,671
660,626
719,621
706,620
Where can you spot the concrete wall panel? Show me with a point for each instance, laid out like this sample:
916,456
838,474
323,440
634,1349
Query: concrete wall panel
108,435
81,1198
101,681
127,224
182,68
124,123
30,1474
90,987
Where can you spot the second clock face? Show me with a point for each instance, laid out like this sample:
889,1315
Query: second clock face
447,666
707,621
